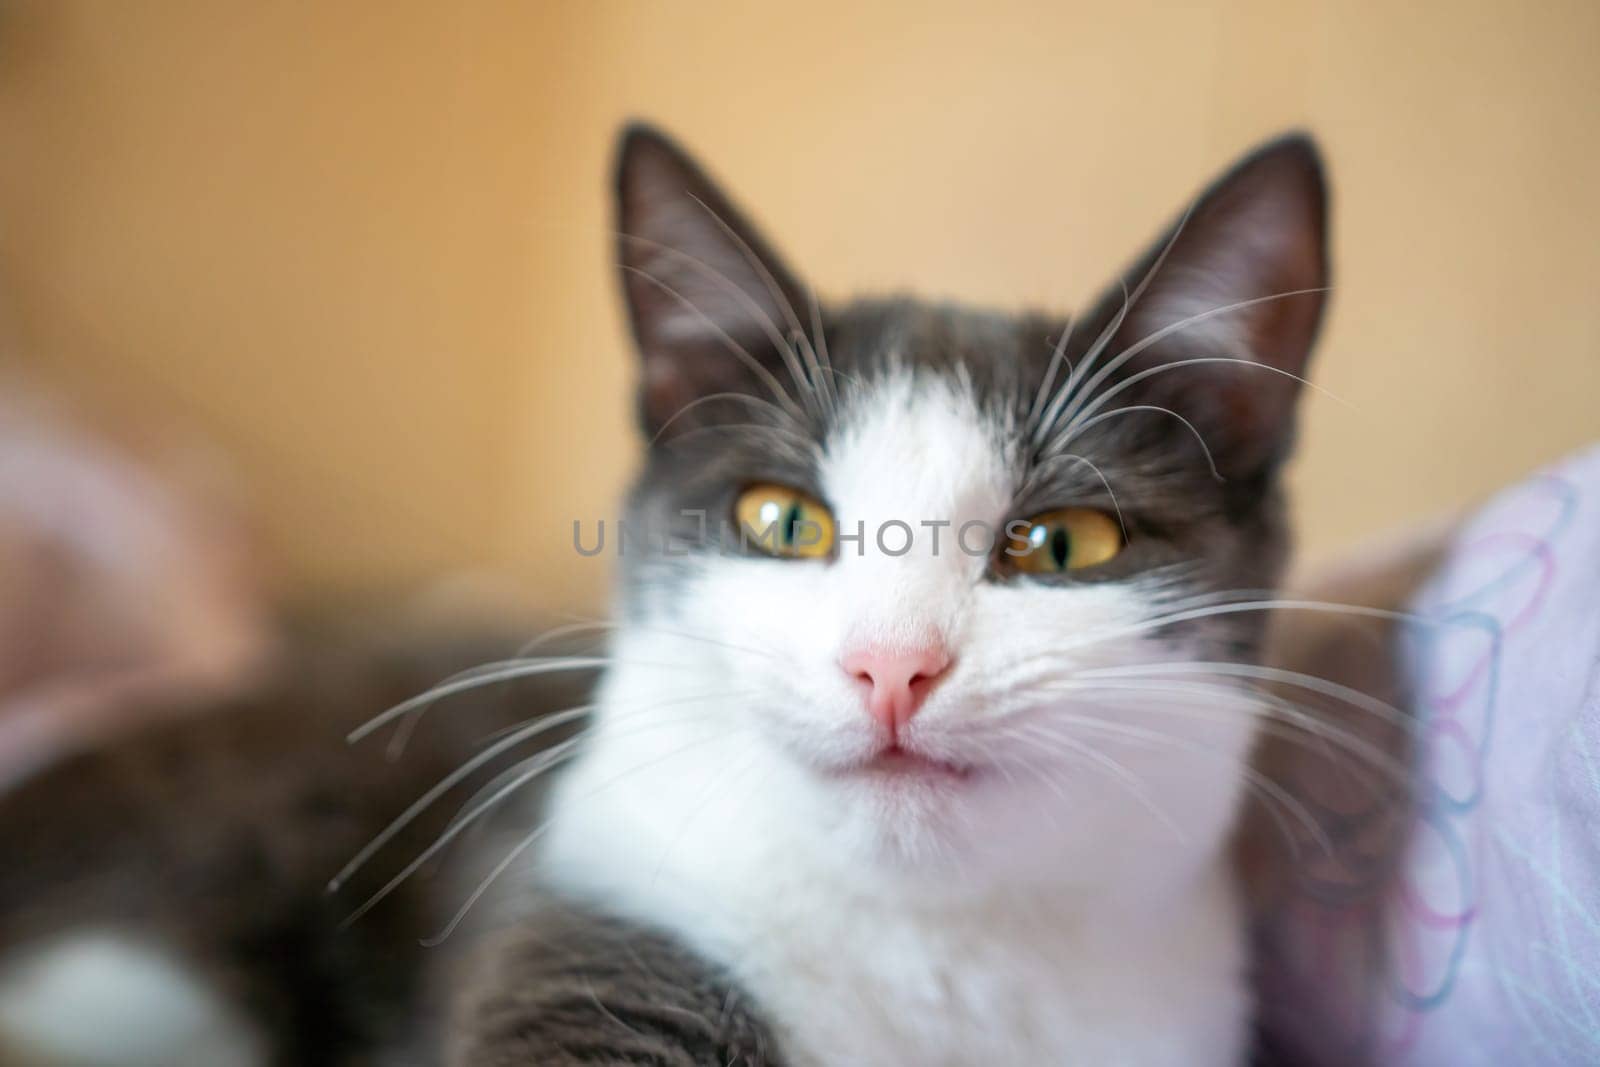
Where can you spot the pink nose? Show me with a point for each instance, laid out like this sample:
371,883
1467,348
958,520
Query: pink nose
896,681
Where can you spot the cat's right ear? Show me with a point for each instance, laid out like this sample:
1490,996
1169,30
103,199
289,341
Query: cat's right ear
711,305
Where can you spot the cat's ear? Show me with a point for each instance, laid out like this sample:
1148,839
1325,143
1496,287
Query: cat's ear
1237,285
710,304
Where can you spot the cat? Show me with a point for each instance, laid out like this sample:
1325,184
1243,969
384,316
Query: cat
923,723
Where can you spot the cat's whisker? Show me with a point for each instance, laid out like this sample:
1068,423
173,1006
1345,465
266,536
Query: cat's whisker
1063,680
1264,787
1302,724
542,762
449,781
413,720
519,848
1182,612
722,777
1333,690
1284,718
469,808
536,766
496,673
1118,771
544,757
488,674
1032,768
1249,775
672,631
509,739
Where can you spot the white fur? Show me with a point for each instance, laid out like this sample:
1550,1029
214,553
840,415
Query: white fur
1040,912
98,999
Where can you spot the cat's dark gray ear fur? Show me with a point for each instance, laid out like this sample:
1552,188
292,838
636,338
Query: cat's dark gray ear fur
711,305
1242,276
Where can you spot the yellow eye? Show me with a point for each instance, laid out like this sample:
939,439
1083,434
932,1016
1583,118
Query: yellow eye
784,522
1068,539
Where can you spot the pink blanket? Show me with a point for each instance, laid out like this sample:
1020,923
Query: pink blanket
1460,925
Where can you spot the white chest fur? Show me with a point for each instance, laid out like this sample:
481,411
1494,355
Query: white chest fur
860,975
1010,985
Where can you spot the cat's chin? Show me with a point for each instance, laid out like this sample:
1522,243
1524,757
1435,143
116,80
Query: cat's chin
906,812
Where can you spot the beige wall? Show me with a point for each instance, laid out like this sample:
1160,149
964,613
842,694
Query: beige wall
362,245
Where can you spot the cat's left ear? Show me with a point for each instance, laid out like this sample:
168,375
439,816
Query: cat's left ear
1222,310
711,305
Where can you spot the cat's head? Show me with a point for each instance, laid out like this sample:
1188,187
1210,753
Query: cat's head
982,631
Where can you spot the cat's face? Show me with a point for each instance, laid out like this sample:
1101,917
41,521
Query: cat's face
980,638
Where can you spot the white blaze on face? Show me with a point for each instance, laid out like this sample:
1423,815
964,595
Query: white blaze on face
908,468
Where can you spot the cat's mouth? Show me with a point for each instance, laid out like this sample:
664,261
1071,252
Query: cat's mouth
896,763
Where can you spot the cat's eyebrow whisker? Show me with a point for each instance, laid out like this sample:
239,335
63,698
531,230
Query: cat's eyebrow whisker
1156,336
778,297
1121,522
786,419
821,347
1058,355
808,443
1071,433
738,351
723,282
1072,385
1098,402
819,384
